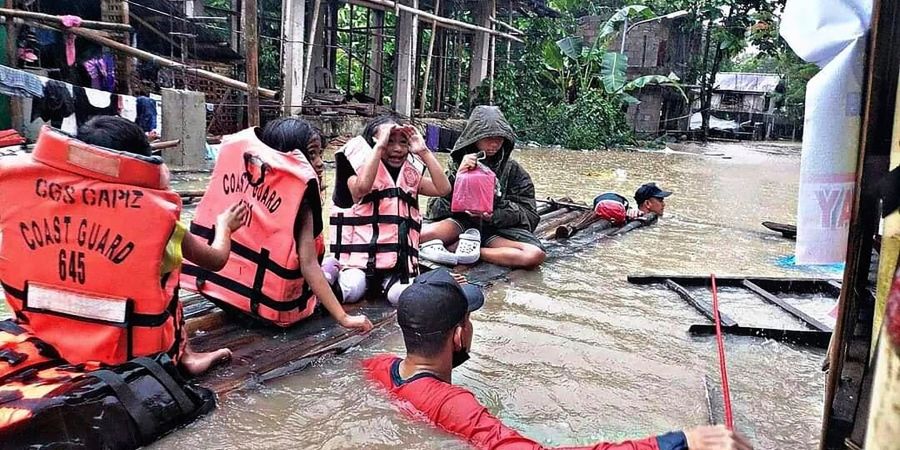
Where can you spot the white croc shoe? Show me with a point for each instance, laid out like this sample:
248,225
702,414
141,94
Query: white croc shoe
435,251
468,250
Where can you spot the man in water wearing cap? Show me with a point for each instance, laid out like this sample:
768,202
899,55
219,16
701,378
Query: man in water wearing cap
651,199
433,314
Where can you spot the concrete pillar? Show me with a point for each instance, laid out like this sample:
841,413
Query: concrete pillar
184,118
481,43
294,56
377,62
404,83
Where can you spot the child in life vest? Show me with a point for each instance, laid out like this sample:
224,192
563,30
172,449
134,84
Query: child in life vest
298,137
375,219
116,133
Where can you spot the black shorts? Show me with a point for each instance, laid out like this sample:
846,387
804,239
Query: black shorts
489,233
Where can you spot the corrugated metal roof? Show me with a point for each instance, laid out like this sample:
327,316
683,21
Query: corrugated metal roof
747,82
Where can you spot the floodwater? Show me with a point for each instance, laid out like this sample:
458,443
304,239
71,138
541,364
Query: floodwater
572,353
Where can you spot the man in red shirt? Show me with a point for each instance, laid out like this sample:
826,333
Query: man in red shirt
433,314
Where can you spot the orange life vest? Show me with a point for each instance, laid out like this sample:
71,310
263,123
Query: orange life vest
262,276
84,235
381,231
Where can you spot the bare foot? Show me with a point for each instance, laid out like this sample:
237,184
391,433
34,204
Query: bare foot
196,363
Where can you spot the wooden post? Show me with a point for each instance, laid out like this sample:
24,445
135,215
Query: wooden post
16,114
293,67
350,54
440,68
481,45
116,11
406,57
846,400
377,61
437,11
312,39
251,35
331,41
493,67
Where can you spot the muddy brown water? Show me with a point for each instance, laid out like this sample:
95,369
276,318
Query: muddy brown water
573,353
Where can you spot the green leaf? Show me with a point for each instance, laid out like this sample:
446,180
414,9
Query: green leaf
553,57
612,71
571,46
627,98
659,80
633,11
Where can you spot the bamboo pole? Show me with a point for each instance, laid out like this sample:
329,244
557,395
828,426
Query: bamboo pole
428,17
97,38
314,23
251,36
492,68
437,10
508,26
57,20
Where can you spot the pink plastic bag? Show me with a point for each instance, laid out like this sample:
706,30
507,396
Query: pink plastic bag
473,191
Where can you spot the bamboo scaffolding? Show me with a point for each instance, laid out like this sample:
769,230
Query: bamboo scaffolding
57,20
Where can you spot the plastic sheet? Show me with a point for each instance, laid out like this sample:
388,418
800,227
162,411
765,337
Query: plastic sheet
831,34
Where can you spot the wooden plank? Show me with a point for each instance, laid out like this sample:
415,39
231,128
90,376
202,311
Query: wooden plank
551,224
715,406
786,230
772,284
699,305
647,220
787,307
800,337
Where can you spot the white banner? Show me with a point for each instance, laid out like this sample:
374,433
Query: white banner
831,34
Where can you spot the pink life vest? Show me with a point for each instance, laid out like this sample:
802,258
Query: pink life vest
381,231
262,277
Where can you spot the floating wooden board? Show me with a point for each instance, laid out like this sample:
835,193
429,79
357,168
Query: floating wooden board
701,306
801,337
771,284
261,353
786,230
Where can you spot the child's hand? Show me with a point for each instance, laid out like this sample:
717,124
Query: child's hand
234,217
416,141
360,323
383,138
468,162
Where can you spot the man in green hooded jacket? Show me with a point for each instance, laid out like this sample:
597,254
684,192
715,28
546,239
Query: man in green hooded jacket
506,238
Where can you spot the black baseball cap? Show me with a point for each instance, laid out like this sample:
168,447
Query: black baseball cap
435,302
648,191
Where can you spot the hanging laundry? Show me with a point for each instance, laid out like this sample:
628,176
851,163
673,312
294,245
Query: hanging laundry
146,113
128,107
18,83
109,82
99,72
90,103
70,22
57,103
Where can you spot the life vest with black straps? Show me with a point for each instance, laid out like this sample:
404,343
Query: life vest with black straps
262,276
46,401
82,258
381,231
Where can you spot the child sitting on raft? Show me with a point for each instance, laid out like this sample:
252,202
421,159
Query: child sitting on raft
274,273
375,219
108,215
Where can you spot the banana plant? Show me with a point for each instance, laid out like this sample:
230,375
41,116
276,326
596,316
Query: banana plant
582,67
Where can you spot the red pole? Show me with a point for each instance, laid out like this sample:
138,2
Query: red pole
720,342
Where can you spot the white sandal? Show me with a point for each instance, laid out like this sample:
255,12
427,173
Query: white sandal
468,250
435,251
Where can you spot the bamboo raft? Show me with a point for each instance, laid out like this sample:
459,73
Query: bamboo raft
262,353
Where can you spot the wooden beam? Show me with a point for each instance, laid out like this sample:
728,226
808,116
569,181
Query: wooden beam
251,37
787,307
313,26
800,337
95,37
294,31
424,100
700,306
16,114
57,20
387,5
508,26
